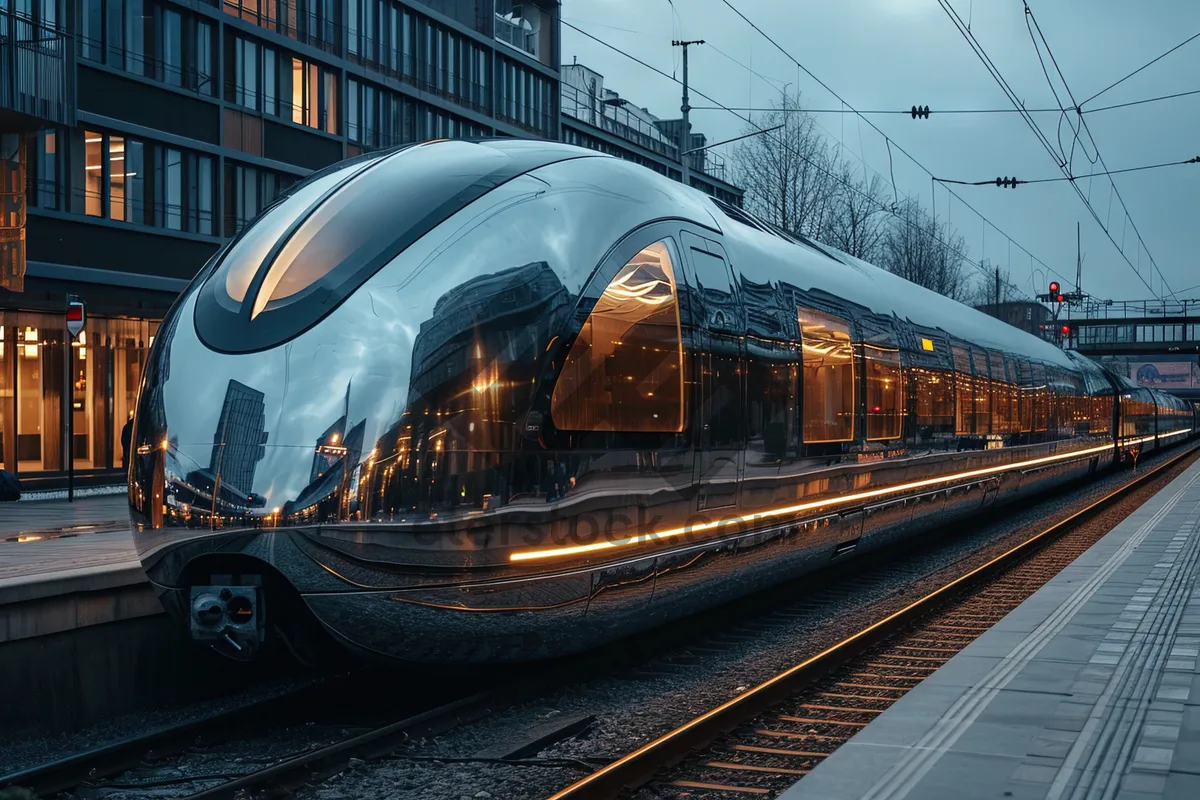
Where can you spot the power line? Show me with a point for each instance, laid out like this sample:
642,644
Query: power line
908,111
1074,177
1139,69
994,71
887,110
1083,125
880,205
908,155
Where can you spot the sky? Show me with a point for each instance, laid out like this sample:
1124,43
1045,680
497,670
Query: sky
885,54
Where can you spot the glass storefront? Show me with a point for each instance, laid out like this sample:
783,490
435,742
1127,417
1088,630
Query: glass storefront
104,366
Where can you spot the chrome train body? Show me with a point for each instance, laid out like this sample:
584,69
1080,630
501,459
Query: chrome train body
470,402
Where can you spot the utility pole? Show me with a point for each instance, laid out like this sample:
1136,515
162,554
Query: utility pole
685,132
997,291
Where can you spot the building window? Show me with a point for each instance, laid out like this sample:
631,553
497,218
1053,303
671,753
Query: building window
105,368
829,391
171,47
624,371
46,177
148,39
378,118
148,184
314,96
254,84
91,29
93,189
249,190
884,392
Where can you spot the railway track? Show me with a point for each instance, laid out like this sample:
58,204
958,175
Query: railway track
752,756
140,760
768,737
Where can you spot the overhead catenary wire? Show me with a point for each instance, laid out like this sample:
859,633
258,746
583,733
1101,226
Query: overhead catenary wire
1117,83
998,76
881,206
1061,179
862,117
906,154
1085,128
936,111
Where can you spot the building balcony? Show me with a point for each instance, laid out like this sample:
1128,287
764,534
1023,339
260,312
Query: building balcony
37,74
527,26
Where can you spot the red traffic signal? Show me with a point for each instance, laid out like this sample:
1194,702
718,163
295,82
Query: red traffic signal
1060,298
1054,289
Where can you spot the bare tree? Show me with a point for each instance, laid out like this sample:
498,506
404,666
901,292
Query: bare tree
859,222
920,249
788,174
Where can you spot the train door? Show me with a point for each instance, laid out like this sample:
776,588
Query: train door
719,329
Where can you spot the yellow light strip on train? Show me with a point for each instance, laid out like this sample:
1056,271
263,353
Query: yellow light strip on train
559,552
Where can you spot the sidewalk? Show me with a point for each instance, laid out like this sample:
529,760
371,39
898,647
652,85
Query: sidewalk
105,512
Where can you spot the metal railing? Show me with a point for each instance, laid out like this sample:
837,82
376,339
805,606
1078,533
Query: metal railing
135,63
301,24
534,120
1137,309
513,33
37,69
456,86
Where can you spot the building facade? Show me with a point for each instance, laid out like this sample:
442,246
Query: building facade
139,135
598,118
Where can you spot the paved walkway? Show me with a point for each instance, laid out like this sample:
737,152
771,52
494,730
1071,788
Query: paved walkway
1089,689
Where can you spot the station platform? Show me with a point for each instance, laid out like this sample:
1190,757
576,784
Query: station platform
1088,689
68,565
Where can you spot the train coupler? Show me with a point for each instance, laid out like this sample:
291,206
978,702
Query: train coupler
230,619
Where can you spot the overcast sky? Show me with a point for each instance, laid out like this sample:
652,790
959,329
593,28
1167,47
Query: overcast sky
882,54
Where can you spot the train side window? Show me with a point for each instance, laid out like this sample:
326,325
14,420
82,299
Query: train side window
624,371
772,369
964,391
935,401
829,388
883,392
983,393
1041,397
1024,377
1002,395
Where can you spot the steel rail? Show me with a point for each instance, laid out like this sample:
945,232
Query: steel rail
113,759
282,778
638,767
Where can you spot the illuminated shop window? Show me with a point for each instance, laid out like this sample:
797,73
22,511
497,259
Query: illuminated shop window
625,370
883,392
829,390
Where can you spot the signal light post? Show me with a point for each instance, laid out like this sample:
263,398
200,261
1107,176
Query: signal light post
76,318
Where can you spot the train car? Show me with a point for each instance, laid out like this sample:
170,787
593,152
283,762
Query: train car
501,400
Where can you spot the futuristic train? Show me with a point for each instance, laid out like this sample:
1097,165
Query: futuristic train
501,400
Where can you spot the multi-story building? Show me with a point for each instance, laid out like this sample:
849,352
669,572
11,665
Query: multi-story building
151,130
596,117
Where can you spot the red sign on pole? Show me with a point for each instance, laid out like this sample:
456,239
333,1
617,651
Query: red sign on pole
75,317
